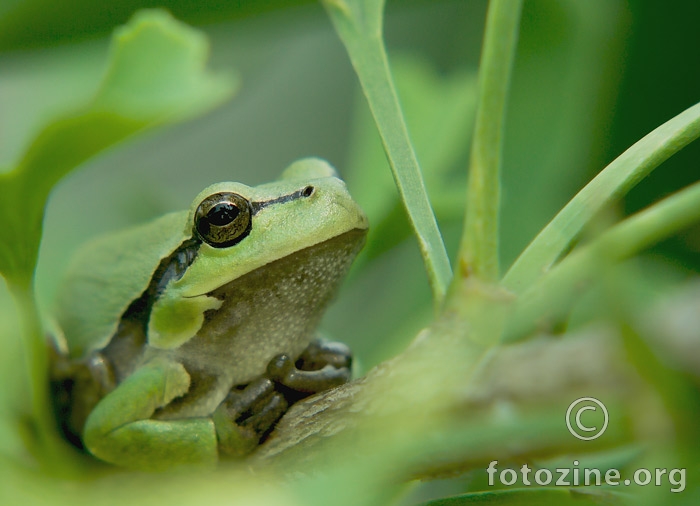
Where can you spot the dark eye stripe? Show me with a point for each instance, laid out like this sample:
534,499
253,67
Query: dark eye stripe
305,192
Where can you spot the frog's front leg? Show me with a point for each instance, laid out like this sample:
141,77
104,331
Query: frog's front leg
120,429
247,415
321,366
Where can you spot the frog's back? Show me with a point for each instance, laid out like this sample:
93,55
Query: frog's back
107,274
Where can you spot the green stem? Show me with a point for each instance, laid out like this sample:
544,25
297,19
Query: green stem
553,295
52,453
34,350
479,248
359,25
36,357
612,183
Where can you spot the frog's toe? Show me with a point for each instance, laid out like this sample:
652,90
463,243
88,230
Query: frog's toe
263,420
283,371
247,415
321,353
240,402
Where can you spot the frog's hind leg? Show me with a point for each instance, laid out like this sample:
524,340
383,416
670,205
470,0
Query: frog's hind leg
76,388
321,353
121,429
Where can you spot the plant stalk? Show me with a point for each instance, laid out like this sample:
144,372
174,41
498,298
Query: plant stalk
479,246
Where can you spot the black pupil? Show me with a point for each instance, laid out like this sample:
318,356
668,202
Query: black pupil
222,214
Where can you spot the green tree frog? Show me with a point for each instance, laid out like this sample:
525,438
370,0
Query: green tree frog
189,336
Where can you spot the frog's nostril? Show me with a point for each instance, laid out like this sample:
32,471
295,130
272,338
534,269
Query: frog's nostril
308,191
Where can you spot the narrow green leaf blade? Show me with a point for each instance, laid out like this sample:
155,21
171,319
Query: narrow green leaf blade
439,110
536,496
610,184
359,26
553,295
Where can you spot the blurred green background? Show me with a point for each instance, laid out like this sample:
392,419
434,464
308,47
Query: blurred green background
591,78
299,97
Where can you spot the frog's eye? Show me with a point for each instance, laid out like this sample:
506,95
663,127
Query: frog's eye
223,219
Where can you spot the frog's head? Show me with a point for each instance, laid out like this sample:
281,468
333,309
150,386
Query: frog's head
307,205
244,228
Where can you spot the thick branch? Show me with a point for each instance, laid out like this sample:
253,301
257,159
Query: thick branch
538,373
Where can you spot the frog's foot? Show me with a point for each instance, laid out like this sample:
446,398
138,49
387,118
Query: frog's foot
247,415
323,365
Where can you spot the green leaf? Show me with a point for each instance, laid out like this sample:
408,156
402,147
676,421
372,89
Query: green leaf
552,295
535,496
359,25
157,71
612,183
156,75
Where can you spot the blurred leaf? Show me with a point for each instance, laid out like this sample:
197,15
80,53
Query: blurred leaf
156,76
612,183
13,394
538,496
550,297
35,23
222,487
659,366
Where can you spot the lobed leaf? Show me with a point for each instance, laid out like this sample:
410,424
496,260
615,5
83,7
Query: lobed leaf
156,75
